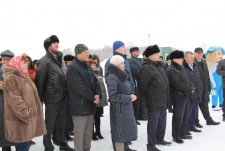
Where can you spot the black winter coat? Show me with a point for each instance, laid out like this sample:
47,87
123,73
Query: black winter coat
3,141
195,81
122,120
50,79
179,81
204,75
154,85
82,87
135,67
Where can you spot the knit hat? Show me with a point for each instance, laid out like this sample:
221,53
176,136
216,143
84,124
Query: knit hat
177,54
117,44
80,48
49,41
68,58
199,49
116,60
150,50
7,53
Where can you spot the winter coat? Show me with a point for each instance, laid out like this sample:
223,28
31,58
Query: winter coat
122,120
135,67
50,79
180,86
23,114
103,100
154,85
3,142
195,81
221,70
82,87
204,75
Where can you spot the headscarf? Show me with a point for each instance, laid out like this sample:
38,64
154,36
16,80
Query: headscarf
18,62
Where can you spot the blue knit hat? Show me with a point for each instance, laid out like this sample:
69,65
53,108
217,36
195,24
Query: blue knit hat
117,44
212,49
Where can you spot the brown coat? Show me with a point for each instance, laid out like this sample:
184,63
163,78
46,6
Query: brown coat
23,114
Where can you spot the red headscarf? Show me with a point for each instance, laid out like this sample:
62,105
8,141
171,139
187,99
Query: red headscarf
19,63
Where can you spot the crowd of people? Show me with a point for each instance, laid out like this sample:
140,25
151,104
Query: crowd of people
73,91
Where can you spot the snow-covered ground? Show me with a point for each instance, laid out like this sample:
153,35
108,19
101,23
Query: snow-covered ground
210,139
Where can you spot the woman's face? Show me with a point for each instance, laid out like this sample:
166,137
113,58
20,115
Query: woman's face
121,66
219,55
25,63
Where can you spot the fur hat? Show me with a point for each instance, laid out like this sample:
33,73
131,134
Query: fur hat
176,54
117,44
79,48
116,60
68,58
49,41
150,50
7,53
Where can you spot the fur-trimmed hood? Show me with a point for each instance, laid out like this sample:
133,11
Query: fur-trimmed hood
122,75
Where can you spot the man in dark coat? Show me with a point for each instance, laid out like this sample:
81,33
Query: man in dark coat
51,85
180,88
84,93
196,83
135,66
204,74
221,70
154,86
166,66
5,58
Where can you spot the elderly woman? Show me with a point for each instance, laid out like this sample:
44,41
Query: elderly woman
23,114
122,120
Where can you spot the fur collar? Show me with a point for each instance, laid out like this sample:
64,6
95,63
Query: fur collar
122,75
7,70
176,65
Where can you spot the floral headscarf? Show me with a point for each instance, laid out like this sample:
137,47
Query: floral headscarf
19,62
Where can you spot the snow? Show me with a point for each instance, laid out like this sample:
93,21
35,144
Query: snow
210,139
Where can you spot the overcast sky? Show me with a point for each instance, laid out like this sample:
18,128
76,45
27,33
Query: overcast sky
183,24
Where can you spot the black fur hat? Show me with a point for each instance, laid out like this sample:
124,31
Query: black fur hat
68,58
177,54
50,40
150,50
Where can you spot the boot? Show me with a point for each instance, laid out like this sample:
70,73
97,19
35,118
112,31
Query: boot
127,148
94,137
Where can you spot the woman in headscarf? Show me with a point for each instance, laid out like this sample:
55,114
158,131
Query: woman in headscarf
23,114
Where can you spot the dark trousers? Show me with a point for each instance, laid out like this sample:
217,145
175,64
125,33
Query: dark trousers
204,108
23,146
55,115
223,108
156,126
170,104
69,122
140,111
193,107
179,117
97,123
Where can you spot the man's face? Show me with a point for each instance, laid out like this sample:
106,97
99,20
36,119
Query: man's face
122,50
84,56
179,61
68,63
189,59
199,55
54,47
155,57
5,60
135,53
